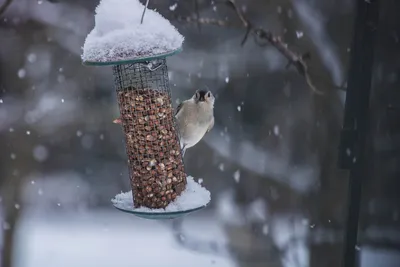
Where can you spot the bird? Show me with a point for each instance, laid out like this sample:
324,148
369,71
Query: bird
194,118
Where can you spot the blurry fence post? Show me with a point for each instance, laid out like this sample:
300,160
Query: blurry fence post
353,141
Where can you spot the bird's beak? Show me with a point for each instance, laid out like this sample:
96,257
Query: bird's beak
117,121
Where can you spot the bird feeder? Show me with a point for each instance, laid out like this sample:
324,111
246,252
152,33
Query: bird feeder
137,48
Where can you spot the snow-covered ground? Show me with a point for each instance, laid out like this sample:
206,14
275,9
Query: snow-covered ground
110,238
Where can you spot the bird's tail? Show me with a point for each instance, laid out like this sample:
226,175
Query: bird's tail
183,150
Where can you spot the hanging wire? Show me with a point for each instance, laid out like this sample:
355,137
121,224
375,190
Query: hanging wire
144,11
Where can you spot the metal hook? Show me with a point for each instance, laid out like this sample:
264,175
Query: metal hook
150,66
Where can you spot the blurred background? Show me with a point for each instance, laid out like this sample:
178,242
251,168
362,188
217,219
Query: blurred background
270,162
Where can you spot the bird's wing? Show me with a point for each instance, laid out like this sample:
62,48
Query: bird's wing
178,108
211,125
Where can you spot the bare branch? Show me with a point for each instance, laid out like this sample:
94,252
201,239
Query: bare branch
294,59
204,21
261,38
4,6
196,8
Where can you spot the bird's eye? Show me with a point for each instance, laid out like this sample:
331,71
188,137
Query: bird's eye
208,94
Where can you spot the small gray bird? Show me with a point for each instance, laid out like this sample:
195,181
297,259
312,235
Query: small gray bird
195,117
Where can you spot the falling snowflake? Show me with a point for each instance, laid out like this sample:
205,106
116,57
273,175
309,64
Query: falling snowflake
21,73
173,7
32,57
265,229
40,153
227,79
239,108
236,176
299,34
276,130
221,167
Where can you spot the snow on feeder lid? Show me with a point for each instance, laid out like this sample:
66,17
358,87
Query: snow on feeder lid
137,52
121,36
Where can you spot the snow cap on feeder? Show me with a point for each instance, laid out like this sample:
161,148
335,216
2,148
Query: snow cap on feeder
120,35
137,52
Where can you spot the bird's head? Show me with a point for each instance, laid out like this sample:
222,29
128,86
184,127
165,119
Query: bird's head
202,96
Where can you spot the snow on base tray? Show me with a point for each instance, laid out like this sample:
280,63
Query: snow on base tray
118,34
194,196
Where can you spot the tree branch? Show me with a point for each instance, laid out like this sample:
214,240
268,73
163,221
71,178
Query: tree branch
4,6
294,59
261,38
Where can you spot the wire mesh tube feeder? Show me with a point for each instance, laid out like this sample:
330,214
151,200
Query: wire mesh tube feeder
137,48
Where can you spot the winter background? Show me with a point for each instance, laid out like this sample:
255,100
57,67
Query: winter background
278,198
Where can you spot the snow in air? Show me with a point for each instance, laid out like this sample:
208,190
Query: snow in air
236,176
194,196
276,130
119,35
21,73
173,7
299,34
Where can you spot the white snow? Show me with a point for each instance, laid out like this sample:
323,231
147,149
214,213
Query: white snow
299,34
40,153
21,73
173,7
194,196
276,130
119,35
236,176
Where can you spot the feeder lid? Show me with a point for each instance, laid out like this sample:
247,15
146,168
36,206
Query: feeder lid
193,198
119,37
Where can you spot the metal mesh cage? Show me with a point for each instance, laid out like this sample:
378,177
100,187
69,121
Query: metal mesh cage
156,167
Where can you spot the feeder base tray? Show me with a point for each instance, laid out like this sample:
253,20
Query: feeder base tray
159,215
193,198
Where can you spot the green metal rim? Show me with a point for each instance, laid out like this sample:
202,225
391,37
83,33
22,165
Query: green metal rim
133,60
160,215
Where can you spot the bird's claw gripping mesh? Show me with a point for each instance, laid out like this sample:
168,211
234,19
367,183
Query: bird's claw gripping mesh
156,167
